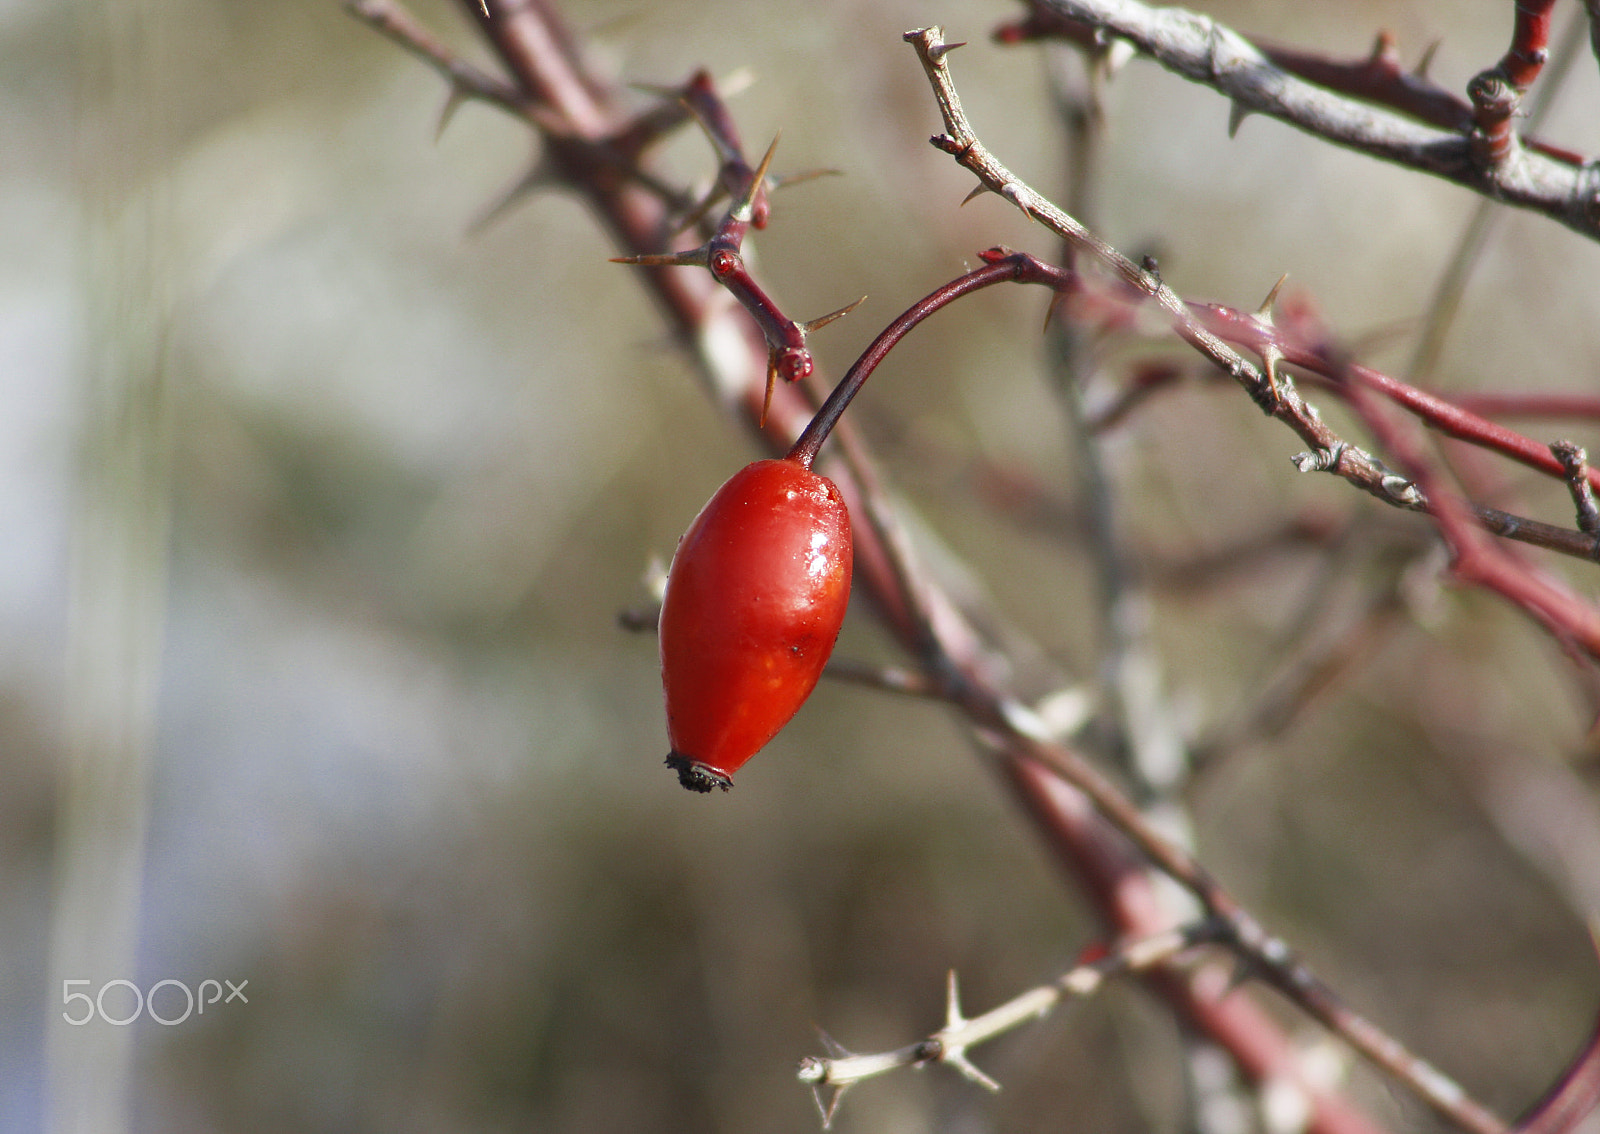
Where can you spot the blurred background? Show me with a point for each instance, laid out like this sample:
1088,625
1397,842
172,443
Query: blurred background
319,508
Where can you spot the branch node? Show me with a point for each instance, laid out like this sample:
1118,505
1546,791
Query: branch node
1400,489
1575,462
1320,460
1019,195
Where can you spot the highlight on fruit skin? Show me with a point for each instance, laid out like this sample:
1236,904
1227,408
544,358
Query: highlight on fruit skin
755,598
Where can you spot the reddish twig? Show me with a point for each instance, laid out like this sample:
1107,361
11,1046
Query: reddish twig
735,177
1564,616
1271,391
1497,93
466,81
1257,332
1439,413
788,356
1577,407
1267,957
1477,560
1377,78
1001,265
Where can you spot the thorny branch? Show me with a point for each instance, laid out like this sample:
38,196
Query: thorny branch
1378,78
1566,616
1308,351
596,150
1207,52
950,1044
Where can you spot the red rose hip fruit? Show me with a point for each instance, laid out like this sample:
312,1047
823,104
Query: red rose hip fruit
755,597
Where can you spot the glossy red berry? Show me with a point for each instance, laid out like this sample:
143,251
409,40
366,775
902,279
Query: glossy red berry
755,597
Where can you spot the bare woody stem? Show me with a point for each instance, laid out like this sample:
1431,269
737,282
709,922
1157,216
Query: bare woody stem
578,115
788,356
1377,78
1314,358
1208,52
960,1033
1445,416
1566,616
1270,956
1575,460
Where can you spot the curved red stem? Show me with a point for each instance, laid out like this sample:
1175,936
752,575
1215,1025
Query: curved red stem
1000,266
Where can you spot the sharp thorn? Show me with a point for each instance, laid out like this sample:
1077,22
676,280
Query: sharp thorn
693,258
1117,55
1019,195
659,89
726,151
1237,113
744,209
834,1048
824,320
788,179
1382,48
952,1002
831,1108
1426,61
979,191
1264,312
962,1064
447,112
1050,311
533,179
1269,363
939,50
772,380
766,159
